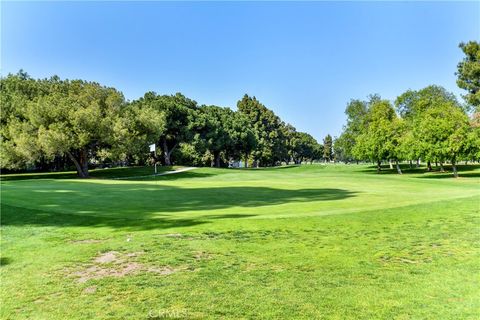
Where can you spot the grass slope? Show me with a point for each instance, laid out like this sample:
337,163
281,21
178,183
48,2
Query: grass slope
326,242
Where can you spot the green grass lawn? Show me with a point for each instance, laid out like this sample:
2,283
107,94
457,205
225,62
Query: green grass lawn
309,242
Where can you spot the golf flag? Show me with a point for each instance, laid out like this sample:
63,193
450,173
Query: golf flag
152,147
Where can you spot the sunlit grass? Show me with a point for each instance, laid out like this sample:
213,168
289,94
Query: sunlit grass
305,242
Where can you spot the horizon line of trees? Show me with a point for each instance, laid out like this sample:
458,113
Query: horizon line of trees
429,124
53,124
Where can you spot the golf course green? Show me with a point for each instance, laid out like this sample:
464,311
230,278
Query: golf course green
300,242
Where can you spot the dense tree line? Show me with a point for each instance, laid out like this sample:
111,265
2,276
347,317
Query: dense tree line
428,124
52,124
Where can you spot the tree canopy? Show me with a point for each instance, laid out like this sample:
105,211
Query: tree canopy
55,124
468,73
46,122
53,117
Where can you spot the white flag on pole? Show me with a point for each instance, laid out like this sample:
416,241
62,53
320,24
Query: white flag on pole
152,147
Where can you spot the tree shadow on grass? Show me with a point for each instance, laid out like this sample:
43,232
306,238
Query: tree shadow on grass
287,166
141,206
467,171
449,175
177,176
37,176
5,261
127,173
16,216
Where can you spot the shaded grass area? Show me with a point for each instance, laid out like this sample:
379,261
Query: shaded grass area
467,171
108,173
197,199
310,242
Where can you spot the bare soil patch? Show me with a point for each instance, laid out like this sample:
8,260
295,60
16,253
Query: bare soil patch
107,257
174,235
86,241
116,264
90,290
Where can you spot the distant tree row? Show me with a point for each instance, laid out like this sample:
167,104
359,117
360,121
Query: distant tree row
427,124
53,123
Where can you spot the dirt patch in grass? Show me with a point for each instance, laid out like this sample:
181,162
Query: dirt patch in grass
90,290
163,270
108,257
202,255
86,241
116,264
98,272
174,235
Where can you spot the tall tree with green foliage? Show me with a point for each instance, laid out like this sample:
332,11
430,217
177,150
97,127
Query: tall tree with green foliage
356,112
339,149
468,73
242,137
50,117
303,147
271,141
178,112
413,106
211,123
328,148
444,131
139,127
375,141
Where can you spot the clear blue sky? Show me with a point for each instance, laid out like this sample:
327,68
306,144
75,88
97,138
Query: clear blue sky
303,60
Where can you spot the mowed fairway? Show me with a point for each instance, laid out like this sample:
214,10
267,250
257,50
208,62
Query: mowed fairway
309,242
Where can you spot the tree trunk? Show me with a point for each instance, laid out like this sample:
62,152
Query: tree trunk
398,167
217,159
246,160
418,163
84,162
166,154
442,169
81,164
454,168
411,165
429,166
390,164
379,166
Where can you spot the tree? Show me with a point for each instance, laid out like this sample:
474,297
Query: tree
221,133
468,73
242,137
412,107
375,141
328,148
213,128
444,130
51,117
178,112
339,149
356,112
303,147
271,144
472,143
138,127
